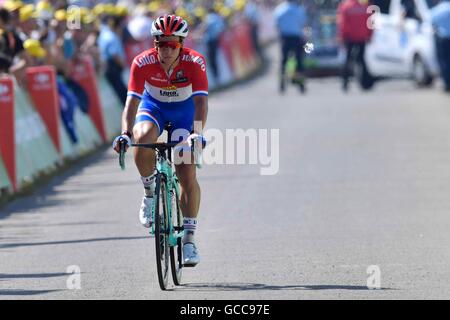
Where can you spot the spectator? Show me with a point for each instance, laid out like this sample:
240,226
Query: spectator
252,14
440,18
4,60
36,52
13,6
63,50
290,20
89,44
354,33
27,21
139,25
113,54
213,27
12,58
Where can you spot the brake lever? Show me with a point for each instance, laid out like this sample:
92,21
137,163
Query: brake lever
122,155
198,159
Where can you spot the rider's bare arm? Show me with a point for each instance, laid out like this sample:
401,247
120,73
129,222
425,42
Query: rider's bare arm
201,111
129,113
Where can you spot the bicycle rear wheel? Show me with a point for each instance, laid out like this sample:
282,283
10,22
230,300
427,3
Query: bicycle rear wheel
162,232
176,259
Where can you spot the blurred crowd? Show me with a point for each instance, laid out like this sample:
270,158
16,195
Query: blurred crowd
65,33
61,32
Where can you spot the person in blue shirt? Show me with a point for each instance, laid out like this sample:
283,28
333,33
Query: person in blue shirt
440,18
290,20
213,27
113,54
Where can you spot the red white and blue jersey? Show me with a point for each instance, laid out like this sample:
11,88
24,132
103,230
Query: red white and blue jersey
148,79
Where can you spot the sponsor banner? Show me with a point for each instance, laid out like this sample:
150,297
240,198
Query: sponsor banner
5,183
88,137
237,48
84,74
44,95
35,150
112,107
7,128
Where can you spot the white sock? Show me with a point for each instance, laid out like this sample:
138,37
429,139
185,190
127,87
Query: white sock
190,225
149,185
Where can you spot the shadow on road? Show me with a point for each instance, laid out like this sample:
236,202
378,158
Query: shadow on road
32,275
35,225
260,286
18,292
30,244
44,193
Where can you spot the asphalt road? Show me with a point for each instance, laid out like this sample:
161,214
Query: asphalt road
363,181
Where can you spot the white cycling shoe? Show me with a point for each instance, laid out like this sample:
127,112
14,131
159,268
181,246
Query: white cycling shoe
145,213
190,255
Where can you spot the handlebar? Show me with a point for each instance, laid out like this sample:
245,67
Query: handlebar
156,146
160,145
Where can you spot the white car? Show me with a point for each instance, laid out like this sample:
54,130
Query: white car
403,42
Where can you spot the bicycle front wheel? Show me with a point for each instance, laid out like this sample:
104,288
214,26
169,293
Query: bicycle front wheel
176,262
162,232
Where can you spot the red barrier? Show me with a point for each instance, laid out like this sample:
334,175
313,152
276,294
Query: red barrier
237,47
242,33
43,91
7,125
132,49
84,74
226,42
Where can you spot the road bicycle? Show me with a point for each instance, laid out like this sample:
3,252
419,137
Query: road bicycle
167,228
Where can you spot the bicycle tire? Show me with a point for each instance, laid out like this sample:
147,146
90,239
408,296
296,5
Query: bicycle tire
176,258
161,232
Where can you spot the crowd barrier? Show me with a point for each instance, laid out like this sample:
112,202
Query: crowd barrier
36,133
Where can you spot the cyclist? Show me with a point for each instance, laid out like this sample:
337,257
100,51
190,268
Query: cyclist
167,83
440,17
290,19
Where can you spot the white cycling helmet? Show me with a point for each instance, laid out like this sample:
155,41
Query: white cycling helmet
170,25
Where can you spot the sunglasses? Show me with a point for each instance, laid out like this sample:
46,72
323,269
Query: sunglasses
168,44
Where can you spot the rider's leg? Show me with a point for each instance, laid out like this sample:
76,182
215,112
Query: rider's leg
189,198
145,159
146,132
190,203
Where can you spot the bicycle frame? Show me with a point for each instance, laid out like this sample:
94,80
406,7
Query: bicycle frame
164,167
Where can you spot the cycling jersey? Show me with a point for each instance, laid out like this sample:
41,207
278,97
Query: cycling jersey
168,97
